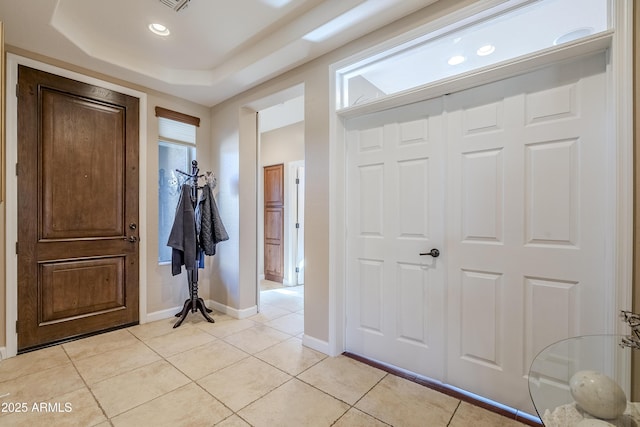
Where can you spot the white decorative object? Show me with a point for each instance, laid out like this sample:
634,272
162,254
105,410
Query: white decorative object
565,415
598,394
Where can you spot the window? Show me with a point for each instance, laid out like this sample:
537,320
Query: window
176,150
460,48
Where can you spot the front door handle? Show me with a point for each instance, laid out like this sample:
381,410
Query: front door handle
433,252
132,239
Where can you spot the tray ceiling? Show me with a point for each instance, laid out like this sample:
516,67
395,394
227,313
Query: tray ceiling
215,50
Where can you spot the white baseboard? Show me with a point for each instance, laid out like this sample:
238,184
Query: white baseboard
3,353
162,314
220,308
316,344
233,312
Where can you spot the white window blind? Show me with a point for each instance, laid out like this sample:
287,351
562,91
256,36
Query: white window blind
173,130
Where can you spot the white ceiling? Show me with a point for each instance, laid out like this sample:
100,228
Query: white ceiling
216,49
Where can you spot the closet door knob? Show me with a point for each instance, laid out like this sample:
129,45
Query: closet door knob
433,252
132,239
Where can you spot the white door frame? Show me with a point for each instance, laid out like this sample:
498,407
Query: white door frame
255,107
11,182
619,263
291,240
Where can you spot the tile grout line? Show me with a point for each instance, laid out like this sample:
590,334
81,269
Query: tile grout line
221,402
292,376
86,385
261,397
340,400
386,374
296,376
119,349
222,339
248,355
162,358
191,381
321,391
454,412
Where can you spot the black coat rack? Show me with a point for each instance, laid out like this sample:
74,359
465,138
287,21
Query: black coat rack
194,303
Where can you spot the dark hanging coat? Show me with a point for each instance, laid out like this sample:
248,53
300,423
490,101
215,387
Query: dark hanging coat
182,238
211,231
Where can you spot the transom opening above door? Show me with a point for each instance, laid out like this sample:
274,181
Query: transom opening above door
504,33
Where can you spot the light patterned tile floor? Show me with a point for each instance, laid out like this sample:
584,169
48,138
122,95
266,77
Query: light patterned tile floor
250,372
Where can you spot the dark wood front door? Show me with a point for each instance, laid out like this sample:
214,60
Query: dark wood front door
77,209
274,223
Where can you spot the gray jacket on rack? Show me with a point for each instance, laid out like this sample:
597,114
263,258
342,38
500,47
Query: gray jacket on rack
211,231
182,238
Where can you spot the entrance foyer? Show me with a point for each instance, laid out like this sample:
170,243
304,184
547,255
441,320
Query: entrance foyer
507,181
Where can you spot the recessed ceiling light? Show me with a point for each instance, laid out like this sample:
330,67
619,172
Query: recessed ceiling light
457,59
573,35
485,50
159,29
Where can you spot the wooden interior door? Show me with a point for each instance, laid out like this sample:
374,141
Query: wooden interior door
274,223
78,209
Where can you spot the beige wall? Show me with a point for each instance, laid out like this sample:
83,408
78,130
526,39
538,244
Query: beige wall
3,322
235,156
2,185
164,291
635,378
282,145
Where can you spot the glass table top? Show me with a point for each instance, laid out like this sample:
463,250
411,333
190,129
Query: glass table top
571,384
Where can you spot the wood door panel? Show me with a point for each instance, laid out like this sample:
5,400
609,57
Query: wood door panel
273,264
274,185
81,288
49,250
83,154
78,207
273,218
